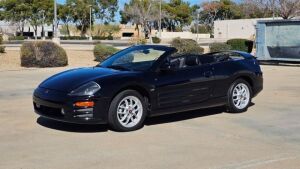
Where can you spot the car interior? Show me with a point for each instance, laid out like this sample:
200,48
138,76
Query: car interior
180,61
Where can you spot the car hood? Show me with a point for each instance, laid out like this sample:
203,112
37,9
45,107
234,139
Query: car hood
71,79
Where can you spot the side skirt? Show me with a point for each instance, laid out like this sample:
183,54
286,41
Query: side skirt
221,101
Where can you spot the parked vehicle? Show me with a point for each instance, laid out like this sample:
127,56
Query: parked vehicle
149,80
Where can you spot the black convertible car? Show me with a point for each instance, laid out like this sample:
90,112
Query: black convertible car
149,80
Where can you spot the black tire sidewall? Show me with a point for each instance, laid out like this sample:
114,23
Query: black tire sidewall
230,105
112,115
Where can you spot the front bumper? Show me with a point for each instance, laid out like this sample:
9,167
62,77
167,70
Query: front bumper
60,106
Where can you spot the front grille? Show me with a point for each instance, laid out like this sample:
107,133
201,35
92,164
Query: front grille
48,111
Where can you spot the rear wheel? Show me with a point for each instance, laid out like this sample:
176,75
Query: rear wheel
127,111
239,96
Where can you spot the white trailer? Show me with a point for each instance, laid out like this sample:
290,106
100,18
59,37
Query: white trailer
278,40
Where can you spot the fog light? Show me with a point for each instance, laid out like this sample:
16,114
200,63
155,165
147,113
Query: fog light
85,104
84,113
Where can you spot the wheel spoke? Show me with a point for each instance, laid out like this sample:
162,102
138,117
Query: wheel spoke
121,112
238,103
122,106
127,119
132,119
124,117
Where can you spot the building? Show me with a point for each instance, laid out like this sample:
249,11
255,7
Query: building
239,28
11,29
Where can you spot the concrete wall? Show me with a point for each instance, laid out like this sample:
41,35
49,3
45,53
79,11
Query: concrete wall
184,35
240,28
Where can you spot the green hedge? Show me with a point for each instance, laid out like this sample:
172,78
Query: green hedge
241,45
101,52
187,46
43,54
217,47
74,38
2,48
86,38
16,38
156,40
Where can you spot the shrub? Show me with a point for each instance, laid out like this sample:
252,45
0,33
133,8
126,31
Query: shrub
217,47
2,48
156,40
1,39
99,38
73,38
241,45
186,46
101,52
43,54
16,38
110,37
137,41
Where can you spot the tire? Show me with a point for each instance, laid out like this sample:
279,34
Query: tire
239,101
127,111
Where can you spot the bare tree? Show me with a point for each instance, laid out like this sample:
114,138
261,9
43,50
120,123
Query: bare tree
289,8
209,13
286,9
144,13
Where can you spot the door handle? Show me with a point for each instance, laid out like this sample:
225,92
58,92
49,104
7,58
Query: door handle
207,74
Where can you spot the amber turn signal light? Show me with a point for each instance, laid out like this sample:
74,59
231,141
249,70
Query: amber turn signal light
85,104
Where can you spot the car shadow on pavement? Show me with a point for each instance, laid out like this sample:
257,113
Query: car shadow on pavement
69,127
169,118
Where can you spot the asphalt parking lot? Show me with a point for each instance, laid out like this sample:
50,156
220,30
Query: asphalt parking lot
267,136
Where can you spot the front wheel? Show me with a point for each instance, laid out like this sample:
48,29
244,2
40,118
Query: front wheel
127,111
239,96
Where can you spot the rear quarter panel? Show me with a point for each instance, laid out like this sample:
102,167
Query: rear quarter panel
225,73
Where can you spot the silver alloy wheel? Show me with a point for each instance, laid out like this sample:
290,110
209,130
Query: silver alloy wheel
130,111
241,96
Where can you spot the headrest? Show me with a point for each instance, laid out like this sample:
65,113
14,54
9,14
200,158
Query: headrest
192,60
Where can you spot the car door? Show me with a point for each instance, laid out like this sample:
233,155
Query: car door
185,85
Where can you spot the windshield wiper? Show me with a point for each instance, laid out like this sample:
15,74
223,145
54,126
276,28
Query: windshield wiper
118,67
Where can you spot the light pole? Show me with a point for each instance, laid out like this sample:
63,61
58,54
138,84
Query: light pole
55,39
91,37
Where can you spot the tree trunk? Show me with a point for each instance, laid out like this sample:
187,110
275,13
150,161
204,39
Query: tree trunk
138,29
22,30
35,32
43,32
68,29
81,30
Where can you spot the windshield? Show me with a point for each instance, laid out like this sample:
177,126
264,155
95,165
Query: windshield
134,58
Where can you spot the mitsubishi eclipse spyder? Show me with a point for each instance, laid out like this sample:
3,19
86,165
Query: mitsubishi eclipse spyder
149,80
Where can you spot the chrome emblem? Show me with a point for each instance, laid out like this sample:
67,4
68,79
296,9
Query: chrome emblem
46,91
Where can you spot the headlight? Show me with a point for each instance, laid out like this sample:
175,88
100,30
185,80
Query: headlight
87,89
